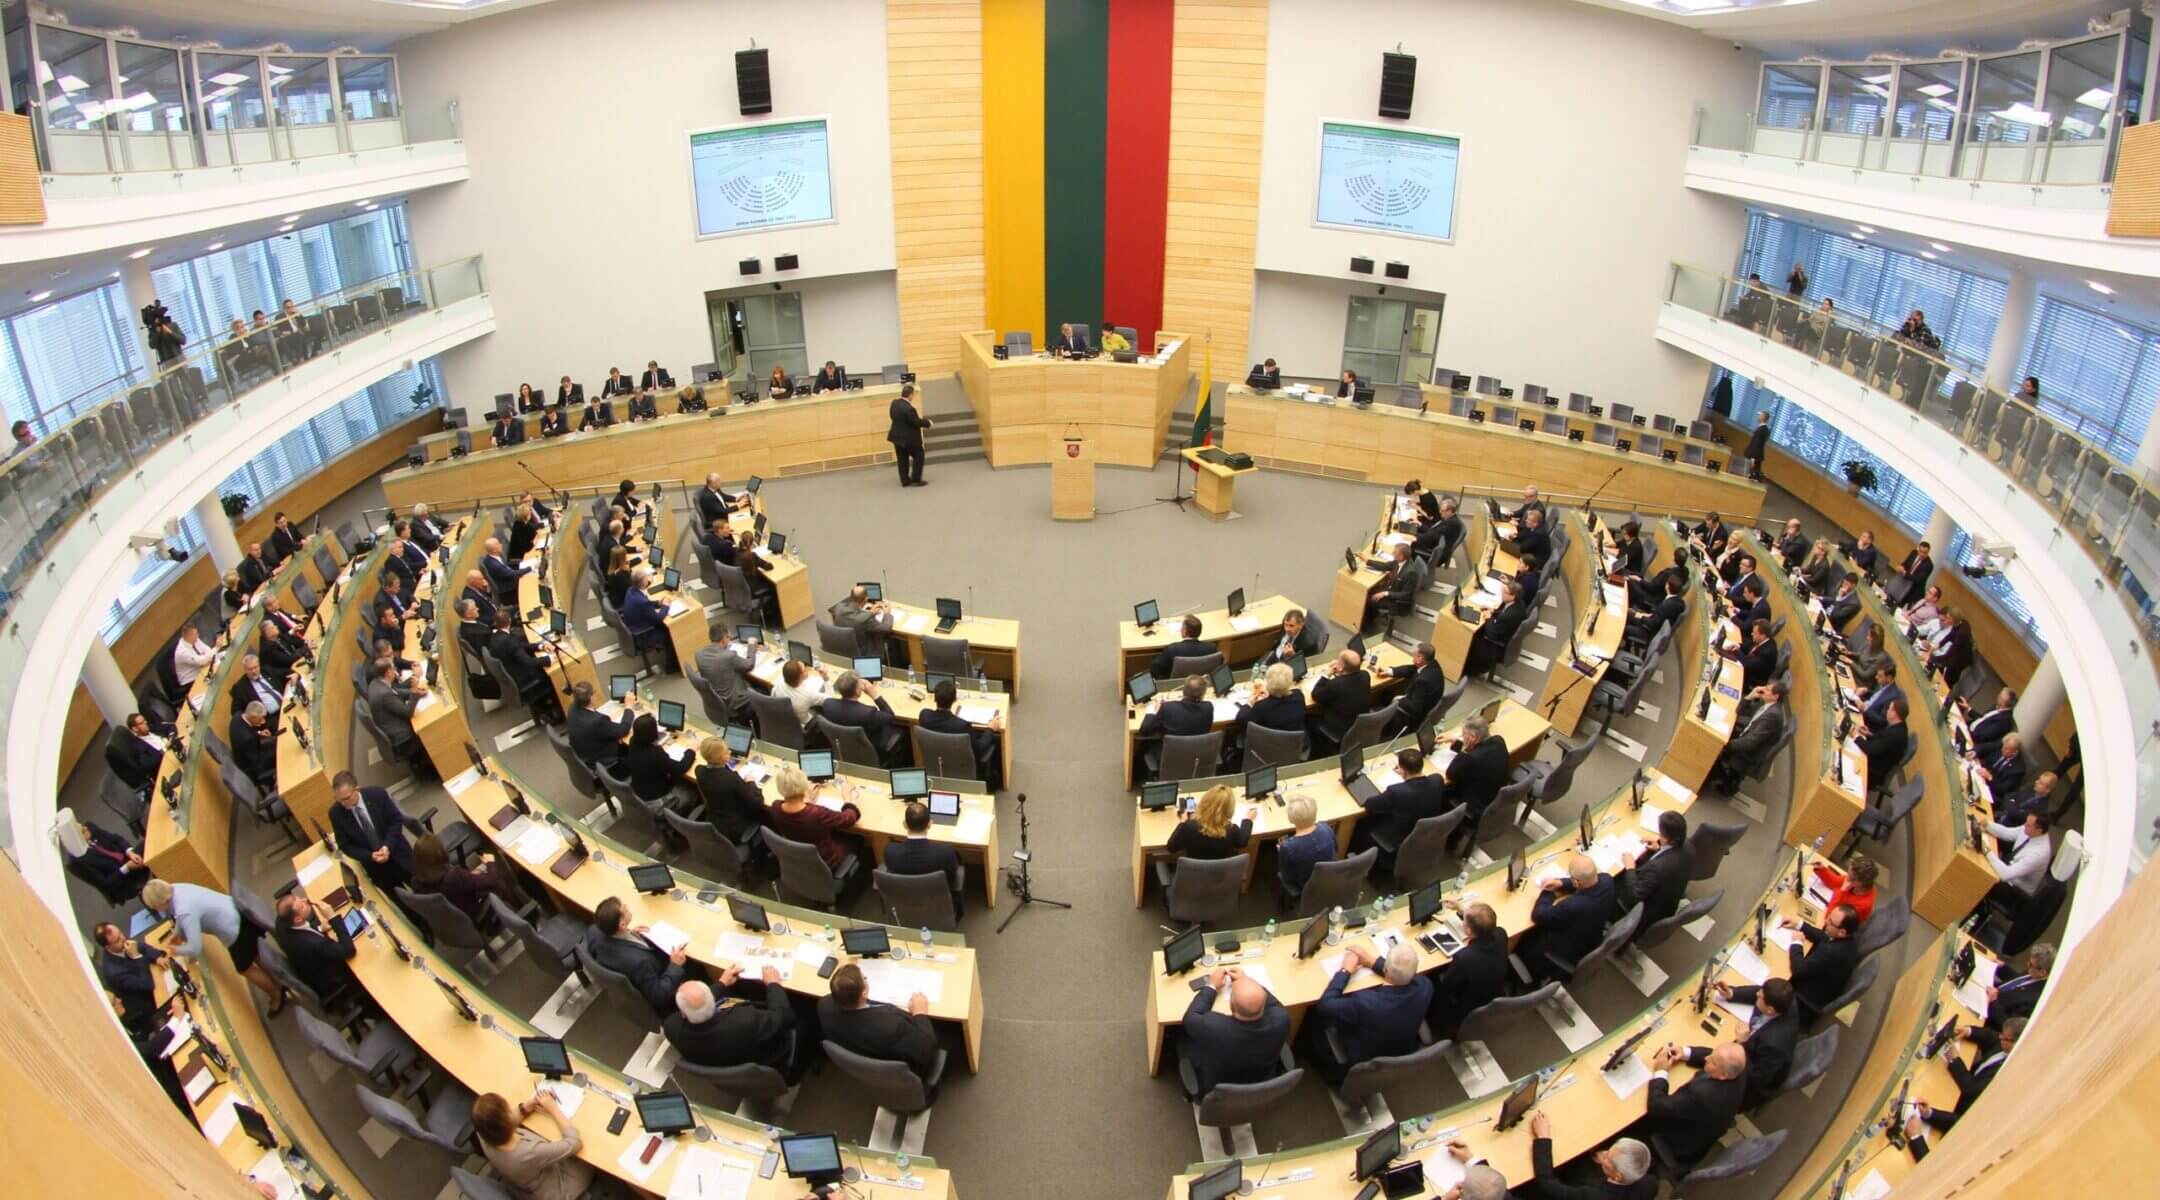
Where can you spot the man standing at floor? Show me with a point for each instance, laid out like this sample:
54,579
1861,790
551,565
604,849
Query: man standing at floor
906,436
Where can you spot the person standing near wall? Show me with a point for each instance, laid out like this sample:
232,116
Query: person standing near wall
906,436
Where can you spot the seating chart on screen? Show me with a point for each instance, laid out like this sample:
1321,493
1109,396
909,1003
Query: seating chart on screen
761,176
1387,179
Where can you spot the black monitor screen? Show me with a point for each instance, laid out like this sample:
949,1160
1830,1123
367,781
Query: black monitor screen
909,783
257,1129
652,878
752,634
547,596
671,715
1378,1151
1517,1105
1425,903
1259,782
748,913
546,1056
1158,794
559,623
664,1113
1222,679
1353,761
948,610
670,579
1219,1183
1147,612
873,590
1312,937
1236,602
933,679
810,1155
1182,951
817,764
801,652
1142,687
865,941
738,739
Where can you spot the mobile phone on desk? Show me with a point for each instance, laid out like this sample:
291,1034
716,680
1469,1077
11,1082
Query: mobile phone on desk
621,1118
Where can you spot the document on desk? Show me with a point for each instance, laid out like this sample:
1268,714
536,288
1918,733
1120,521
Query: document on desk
423,704
1782,937
270,1169
182,1028
1748,964
1650,815
834,803
539,845
1973,992
1245,622
568,1096
1225,710
1616,598
1387,778
911,622
1674,788
1872,1186
976,714
1630,1077
1443,1171
811,953
199,1084
677,608
642,1171
666,937
751,949
456,784
974,824
708,1175
1610,853
221,1120
1719,719
894,984
315,868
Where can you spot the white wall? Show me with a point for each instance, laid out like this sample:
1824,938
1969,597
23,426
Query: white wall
1298,320
1570,203
575,116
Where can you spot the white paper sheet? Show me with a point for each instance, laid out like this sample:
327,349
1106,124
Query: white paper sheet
199,1084
1749,966
568,1096
750,949
1674,788
974,825
1787,938
975,714
1872,1186
1244,622
423,703
832,802
667,937
642,1171
1973,995
270,1169
894,984
456,784
539,846
221,1121
811,953
314,870
1650,815
1628,1078
705,1175
182,1029
1225,710
1443,1171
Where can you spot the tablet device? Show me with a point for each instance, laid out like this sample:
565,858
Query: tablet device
866,941
546,1056
816,764
948,610
753,634
1158,795
1222,679
1146,613
811,1156
932,679
1312,937
1517,1105
652,878
910,783
1353,763
872,669
1219,1183
873,590
1297,666
1405,1181
755,483
737,738
664,1113
558,623
671,715
620,686
748,913
670,578
1182,952
1236,601
1379,1150
801,652
944,808
355,921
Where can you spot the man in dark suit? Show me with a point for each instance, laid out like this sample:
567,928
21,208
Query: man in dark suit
1531,536
616,383
2005,772
1758,660
1884,747
713,501
1846,604
1184,715
255,570
916,854
1991,727
2013,998
1490,641
1739,571
370,827
1644,624
1188,645
1973,1080
568,393
1658,879
830,378
905,433
1875,710
1266,375
1822,971
875,719
134,751
482,595
1752,605
1392,814
1793,546
254,745
1630,555
1910,582
318,949
1621,1171
983,738
1568,920
2038,798
473,633
521,660
1340,697
1070,341
643,406
1241,1046
1437,538
1428,683
647,618
391,602
1773,1031
1299,639
655,376
1397,590
1475,977
734,1032
1478,772
1691,1119
1758,722
554,421
623,949
284,540
508,430
281,653
596,740
597,414
424,530
849,1018
1758,445
1375,1022
502,574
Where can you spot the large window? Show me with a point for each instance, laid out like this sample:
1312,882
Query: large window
2098,375
1879,285
64,358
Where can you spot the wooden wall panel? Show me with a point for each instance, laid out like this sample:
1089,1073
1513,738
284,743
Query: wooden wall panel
934,88
2134,204
22,191
1218,85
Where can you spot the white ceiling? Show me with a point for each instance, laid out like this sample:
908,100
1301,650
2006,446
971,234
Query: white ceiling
1855,28
305,24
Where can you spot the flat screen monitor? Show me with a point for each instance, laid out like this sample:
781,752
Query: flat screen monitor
652,878
1222,679
546,1056
1218,1184
1182,952
547,596
811,1156
1379,1150
748,913
777,543
1623,412
1517,1105
873,590
948,609
1157,795
1236,602
1312,937
620,686
870,668
761,176
1388,179
737,738
1147,612
253,1124
670,579
910,783
664,1113
801,652
1141,687
559,623
671,715
1353,762
932,680
1259,782
1425,903
753,634
866,941
816,764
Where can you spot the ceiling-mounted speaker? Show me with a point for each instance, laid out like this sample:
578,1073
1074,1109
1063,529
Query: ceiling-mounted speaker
1398,270
1398,79
749,266
753,82
1361,266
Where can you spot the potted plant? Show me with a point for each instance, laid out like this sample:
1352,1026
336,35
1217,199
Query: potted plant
422,396
236,504
1859,476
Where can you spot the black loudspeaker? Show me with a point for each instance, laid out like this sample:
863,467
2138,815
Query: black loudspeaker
1396,270
749,266
1361,266
1398,79
785,262
753,83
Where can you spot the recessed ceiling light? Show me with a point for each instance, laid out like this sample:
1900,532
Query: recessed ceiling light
296,216
116,274
362,203
1775,216
145,252
40,297
1859,235
2099,287
1867,229
215,246
1927,254
1940,246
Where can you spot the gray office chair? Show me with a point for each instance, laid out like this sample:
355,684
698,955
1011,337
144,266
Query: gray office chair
383,745
478,1187
708,848
763,1094
447,1124
716,709
890,1084
1448,700
915,901
1423,854
1571,755
384,1054
552,943
1196,664
1551,781
446,922
581,776
1862,979
1777,751
803,872
1621,932
949,656
1877,824
1499,816
1744,1157
625,799
776,720
268,809
1229,1105
1811,1059
1266,747
1337,884
849,742
1709,844
1185,756
1019,344
629,1003
838,639
1657,932
1891,919
1202,891
341,1008
946,755
1371,728
708,566
1364,1082
892,373
1485,1020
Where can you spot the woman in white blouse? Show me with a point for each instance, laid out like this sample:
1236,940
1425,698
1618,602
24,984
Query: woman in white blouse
192,656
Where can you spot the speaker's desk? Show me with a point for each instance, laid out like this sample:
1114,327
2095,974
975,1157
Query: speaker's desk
775,438
1387,444
1520,729
1025,406
1214,484
1380,662
1240,639
484,1056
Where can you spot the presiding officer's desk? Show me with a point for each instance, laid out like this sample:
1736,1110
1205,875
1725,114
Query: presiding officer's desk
826,432
1521,730
483,1054
1025,405
1588,1106
1379,661
1388,444
1241,639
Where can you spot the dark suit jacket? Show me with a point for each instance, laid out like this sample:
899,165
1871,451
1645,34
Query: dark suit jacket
654,772
1658,883
390,825
503,577
1432,535
594,738
874,720
1843,609
732,804
1692,1119
132,981
1883,748
1307,643
596,416
647,620
1571,923
829,381
1534,541
1184,718
1279,712
1752,743
1821,973
555,422
1971,1081
921,856
134,760
1989,729
2015,996
509,431
279,656
641,962
1668,610
1427,685
1630,557
1470,980
615,385
739,1033
881,1031
254,751
1339,700
711,506
1376,1022
574,394
648,379
320,959
1769,1053
254,572
281,545
1505,621
1223,1049
1076,344
1167,657
523,534
644,406
486,601
1477,775
1583,1181
2007,775
1757,664
1397,810
1917,571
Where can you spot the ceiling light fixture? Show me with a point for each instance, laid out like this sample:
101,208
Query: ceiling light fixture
1867,229
2099,287
1928,254
1935,89
145,252
289,220
1859,235
40,297
214,246
1940,246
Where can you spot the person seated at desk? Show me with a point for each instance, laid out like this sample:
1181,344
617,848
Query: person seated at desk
1911,576
1751,605
849,1018
983,739
608,540
2012,999
1990,729
1342,695
1397,590
872,621
1872,657
134,751
1266,375
370,827
254,745
502,574
713,503
1241,1046
627,499
728,802
534,1167
232,595
124,969
1531,503
554,422
1884,746
1657,879
1477,975
1821,970
616,384
1953,652
1971,1082
596,740
643,407
1646,594
473,633
598,414
1621,1171
1438,537
802,685
778,385
655,376
736,1033
653,771
615,581
1736,570
1391,815
1425,502
796,817
1926,612
1188,645
508,430
1208,833
647,618
1644,623
724,664
1846,604
1793,546
1690,1120
434,874
568,393
624,949
1875,708
1298,640
1531,536
757,572
1490,641
1569,918
1857,890
406,557
847,707
1818,571
1069,342
1375,1022
1773,1030
1758,658
1112,340
1757,723
424,530
1529,574
1475,776
99,857
2036,799
830,378
1307,845
918,854
1713,534
391,603
1346,387
317,949
281,653
255,570
528,400
1281,706
1630,555
477,591
1428,684
1863,552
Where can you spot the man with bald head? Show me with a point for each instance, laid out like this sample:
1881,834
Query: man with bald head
870,619
1243,1045
728,1031
1569,920
1340,697
483,597
1694,1116
1374,1022
1621,1171
714,503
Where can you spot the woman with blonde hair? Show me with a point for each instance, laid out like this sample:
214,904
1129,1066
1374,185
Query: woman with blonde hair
797,819
1208,833
1819,572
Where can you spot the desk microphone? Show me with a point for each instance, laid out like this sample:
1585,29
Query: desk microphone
1247,1187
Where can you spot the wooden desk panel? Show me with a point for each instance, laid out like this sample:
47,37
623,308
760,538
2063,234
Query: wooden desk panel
1241,640
1024,406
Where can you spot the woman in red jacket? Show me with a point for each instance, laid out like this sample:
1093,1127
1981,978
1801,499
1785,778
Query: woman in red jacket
799,818
1858,890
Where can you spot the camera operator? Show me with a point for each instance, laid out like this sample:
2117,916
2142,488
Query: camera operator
165,336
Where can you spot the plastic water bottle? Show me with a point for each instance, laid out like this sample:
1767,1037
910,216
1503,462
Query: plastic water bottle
902,1161
1269,932
1462,881
828,935
1334,920
926,941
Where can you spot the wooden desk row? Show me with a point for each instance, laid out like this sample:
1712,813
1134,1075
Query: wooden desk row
1389,445
1520,729
1241,639
1587,1105
484,1056
668,400
1554,417
1026,405
190,839
830,432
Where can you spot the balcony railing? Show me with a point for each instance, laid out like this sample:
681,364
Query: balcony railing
1999,161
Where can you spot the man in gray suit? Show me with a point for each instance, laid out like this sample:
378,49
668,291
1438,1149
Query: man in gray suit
1757,725
870,619
725,666
392,706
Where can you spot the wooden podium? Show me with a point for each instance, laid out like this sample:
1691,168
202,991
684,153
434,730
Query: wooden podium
1072,479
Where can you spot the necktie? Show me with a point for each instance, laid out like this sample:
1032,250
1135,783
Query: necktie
367,822
1756,1020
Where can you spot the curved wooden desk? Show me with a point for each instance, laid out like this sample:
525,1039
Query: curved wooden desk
1380,659
992,641
1241,639
1025,405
